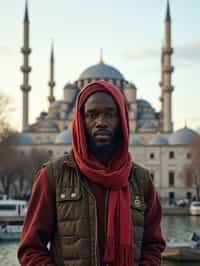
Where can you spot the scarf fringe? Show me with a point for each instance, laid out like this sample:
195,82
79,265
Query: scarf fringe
124,256
109,249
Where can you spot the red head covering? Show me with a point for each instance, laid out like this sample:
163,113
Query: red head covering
118,247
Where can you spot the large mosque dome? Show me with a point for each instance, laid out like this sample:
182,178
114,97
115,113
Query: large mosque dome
23,139
101,71
183,136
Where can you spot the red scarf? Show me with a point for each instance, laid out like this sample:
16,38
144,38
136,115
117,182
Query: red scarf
118,246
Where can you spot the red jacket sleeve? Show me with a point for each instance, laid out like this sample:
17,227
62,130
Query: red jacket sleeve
153,242
38,225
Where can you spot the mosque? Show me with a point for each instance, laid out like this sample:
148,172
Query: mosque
153,142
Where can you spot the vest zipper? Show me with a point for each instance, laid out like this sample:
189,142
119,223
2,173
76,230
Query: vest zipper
96,223
106,216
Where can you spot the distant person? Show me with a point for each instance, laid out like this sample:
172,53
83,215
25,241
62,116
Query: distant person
196,238
94,206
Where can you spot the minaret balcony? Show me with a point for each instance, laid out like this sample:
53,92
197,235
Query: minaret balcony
51,84
160,84
168,89
168,69
51,99
26,69
26,50
168,50
25,88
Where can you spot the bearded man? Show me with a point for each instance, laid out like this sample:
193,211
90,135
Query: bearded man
94,206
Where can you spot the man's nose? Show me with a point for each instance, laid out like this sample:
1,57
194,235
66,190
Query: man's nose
101,121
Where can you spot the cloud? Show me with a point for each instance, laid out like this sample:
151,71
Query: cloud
184,53
188,52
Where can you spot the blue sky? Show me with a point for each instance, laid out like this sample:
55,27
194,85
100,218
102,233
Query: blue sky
130,33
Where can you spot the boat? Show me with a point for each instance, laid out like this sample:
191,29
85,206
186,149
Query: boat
182,251
195,208
12,214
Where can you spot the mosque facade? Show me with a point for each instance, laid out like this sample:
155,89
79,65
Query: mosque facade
153,142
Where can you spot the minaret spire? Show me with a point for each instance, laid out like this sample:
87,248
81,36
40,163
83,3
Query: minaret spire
168,15
26,16
26,69
101,62
51,83
167,87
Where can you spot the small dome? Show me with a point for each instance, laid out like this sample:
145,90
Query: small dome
141,103
135,140
159,140
183,136
69,86
147,116
23,139
101,71
52,116
65,137
131,86
148,125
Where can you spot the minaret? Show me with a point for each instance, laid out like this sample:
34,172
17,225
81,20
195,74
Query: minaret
167,72
51,83
161,86
25,70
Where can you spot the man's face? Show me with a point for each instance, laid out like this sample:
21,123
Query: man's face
102,123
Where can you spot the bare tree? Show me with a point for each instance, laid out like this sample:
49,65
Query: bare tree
191,171
26,167
8,156
5,110
17,169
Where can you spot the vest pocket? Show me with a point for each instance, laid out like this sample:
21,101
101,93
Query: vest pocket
75,247
138,204
138,208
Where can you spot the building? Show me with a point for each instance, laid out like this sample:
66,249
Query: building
153,141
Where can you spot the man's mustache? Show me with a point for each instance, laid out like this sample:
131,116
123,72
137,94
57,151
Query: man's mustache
103,131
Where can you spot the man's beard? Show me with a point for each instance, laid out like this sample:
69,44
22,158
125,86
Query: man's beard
108,148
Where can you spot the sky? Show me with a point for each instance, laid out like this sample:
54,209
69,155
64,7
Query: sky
130,32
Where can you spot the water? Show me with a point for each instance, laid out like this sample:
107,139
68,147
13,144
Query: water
173,227
181,228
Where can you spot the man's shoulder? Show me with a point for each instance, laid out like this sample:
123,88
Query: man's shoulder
141,177
55,167
56,164
140,170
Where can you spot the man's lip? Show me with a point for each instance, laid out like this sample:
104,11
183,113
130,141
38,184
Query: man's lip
102,133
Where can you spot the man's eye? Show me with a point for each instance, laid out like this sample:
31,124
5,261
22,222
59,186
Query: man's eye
109,115
92,115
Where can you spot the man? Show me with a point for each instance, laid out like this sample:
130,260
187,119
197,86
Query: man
95,207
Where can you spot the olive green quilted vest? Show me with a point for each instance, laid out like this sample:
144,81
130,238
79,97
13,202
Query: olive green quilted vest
75,241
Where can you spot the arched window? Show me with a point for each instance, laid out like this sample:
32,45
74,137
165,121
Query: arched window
171,178
152,156
171,155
